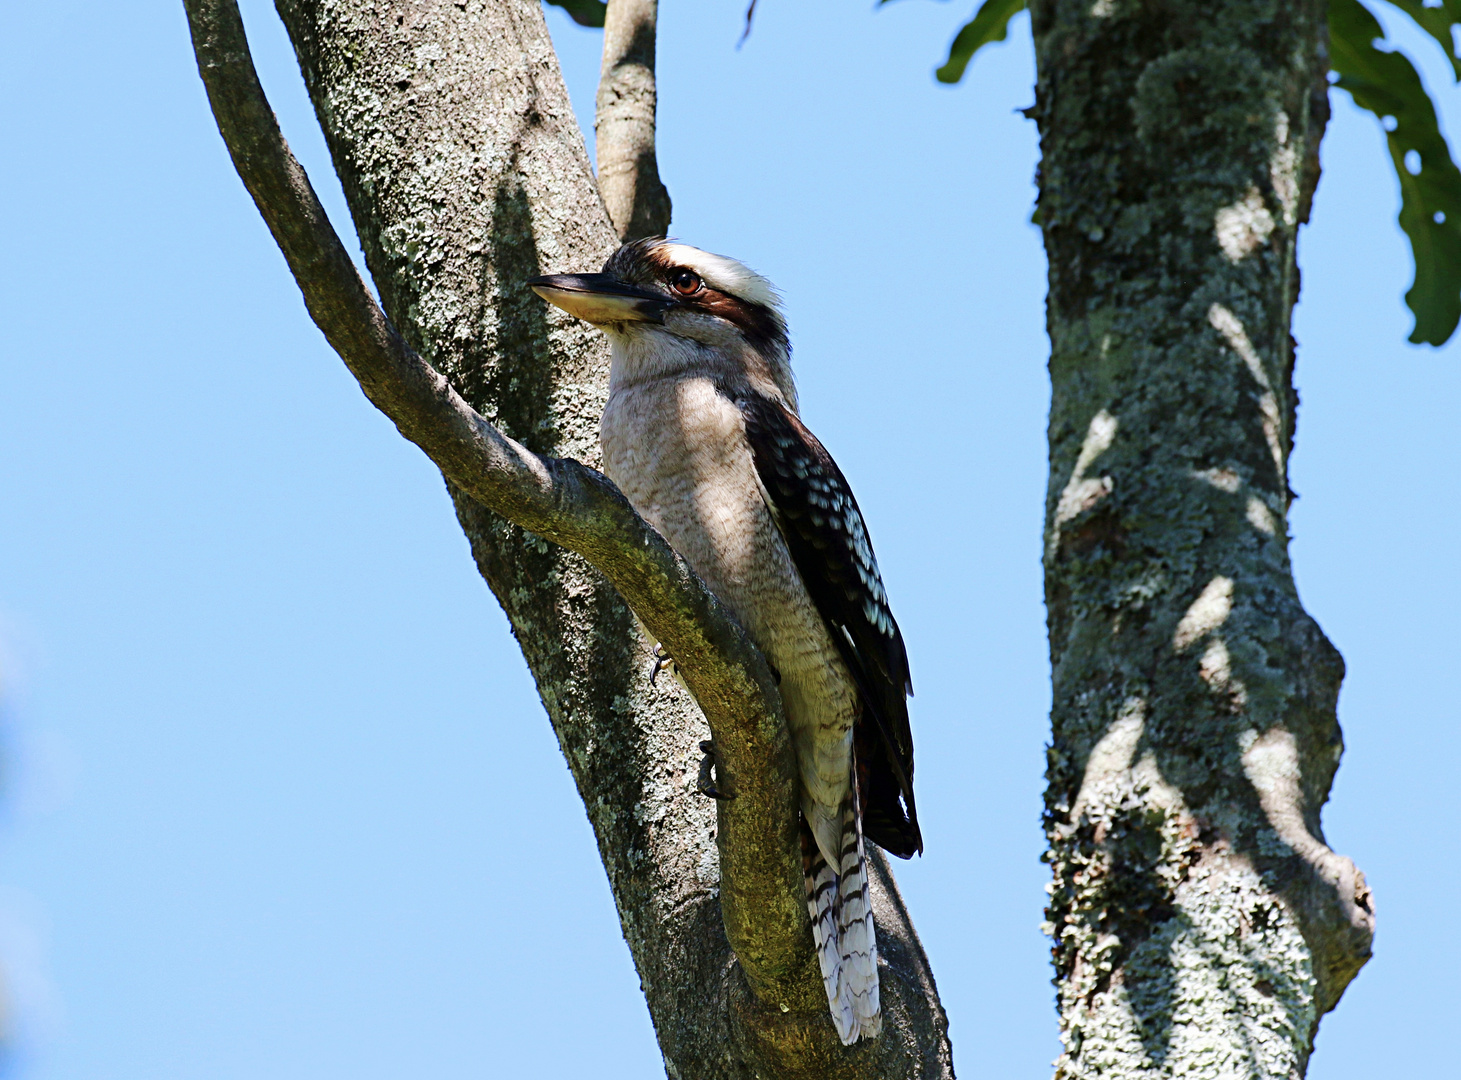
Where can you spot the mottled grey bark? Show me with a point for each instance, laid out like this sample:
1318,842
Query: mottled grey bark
629,179
466,175
1201,925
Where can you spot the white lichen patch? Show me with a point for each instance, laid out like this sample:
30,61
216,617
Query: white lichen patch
1241,970
1283,170
1243,227
1222,985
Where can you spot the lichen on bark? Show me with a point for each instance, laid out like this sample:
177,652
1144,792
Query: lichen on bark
461,160
1201,926
466,175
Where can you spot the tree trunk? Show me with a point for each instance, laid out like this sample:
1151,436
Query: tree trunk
466,175
1201,925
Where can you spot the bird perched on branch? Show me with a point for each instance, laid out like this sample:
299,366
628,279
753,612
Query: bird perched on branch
702,435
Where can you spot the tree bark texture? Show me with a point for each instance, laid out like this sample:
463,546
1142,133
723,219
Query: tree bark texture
1201,925
629,179
466,174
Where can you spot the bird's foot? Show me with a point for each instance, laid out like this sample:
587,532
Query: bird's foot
662,661
706,784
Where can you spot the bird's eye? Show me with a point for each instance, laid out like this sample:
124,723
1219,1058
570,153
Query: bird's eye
686,282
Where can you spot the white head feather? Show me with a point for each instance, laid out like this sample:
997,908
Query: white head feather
724,274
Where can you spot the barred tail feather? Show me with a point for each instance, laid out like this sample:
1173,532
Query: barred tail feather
858,987
842,928
821,906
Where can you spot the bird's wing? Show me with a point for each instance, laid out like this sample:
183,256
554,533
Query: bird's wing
825,533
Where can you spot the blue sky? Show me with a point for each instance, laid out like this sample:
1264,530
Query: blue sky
279,799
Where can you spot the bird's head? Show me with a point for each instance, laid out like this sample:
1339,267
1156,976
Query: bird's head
657,299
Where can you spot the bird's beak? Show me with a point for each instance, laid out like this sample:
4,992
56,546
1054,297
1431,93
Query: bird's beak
600,298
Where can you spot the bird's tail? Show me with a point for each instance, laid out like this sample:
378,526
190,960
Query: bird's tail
842,927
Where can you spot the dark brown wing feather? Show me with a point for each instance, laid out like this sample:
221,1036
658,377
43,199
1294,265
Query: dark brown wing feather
828,540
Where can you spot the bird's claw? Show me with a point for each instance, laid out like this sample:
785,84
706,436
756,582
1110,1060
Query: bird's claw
662,660
706,784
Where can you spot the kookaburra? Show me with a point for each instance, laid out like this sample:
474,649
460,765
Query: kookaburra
701,433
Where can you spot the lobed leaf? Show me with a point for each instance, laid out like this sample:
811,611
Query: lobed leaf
1387,84
1439,22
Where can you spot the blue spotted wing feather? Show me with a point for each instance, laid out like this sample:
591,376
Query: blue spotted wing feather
827,537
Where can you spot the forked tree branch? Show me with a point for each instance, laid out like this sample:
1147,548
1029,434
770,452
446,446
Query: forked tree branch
556,498
624,127
750,1002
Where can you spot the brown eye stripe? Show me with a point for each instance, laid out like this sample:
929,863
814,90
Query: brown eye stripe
645,260
760,325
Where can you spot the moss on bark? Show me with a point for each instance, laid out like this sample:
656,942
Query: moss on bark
466,175
1201,925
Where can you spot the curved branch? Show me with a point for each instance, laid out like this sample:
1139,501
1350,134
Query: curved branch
760,1011
556,498
629,180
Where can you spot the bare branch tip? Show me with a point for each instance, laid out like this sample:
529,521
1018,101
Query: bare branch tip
750,14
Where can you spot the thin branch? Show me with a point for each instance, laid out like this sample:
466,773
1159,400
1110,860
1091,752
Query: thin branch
629,180
750,14
556,498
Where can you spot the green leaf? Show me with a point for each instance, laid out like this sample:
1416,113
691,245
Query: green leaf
583,12
1437,22
990,23
1386,83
